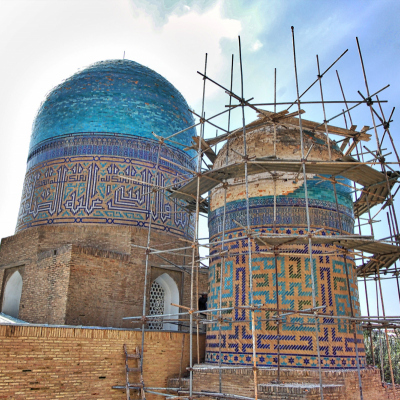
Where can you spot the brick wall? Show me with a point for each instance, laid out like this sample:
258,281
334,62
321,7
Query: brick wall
88,275
203,287
241,382
103,288
260,142
114,238
45,277
71,363
20,248
45,286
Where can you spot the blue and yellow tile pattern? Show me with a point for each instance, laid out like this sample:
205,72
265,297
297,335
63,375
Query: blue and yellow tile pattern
297,340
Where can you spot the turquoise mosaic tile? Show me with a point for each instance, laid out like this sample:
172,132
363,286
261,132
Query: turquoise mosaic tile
114,97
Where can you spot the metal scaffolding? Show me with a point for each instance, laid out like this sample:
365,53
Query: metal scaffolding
375,185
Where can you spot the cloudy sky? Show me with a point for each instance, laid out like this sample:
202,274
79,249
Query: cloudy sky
43,42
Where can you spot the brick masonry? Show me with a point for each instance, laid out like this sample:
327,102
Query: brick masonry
70,363
87,275
295,384
86,207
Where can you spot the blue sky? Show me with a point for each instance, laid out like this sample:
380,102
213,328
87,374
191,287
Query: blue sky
43,42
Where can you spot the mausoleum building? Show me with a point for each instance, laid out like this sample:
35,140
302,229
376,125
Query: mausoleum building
94,157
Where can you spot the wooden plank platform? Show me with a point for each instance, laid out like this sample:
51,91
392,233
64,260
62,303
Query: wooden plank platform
374,195
282,118
383,254
347,167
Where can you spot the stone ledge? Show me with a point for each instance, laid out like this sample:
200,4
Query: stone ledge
285,373
174,383
298,388
97,252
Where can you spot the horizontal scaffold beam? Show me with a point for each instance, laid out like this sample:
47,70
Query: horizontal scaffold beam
286,119
382,254
373,181
380,261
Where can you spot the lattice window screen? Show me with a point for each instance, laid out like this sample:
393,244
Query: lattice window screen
157,295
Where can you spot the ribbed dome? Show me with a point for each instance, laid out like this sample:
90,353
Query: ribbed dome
113,97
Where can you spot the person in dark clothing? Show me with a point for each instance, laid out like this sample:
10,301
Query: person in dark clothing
203,302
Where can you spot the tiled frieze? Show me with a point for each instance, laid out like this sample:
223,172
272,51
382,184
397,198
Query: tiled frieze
291,212
101,189
109,145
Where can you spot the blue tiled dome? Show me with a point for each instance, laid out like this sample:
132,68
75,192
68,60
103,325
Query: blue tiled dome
93,156
113,97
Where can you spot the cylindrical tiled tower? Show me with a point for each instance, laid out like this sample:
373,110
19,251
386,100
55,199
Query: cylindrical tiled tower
92,136
297,333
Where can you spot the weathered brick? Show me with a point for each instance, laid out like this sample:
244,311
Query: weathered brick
76,374
87,275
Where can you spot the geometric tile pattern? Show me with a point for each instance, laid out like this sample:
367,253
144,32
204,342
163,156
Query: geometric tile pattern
288,360
297,334
291,209
109,145
297,341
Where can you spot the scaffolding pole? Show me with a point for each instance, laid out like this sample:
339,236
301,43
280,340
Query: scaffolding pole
308,220
282,316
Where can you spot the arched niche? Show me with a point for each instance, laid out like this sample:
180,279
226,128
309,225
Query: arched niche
163,292
12,295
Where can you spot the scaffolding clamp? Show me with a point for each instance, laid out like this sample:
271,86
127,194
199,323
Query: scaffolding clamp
224,253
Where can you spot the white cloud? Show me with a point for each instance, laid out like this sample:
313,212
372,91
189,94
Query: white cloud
256,45
177,49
